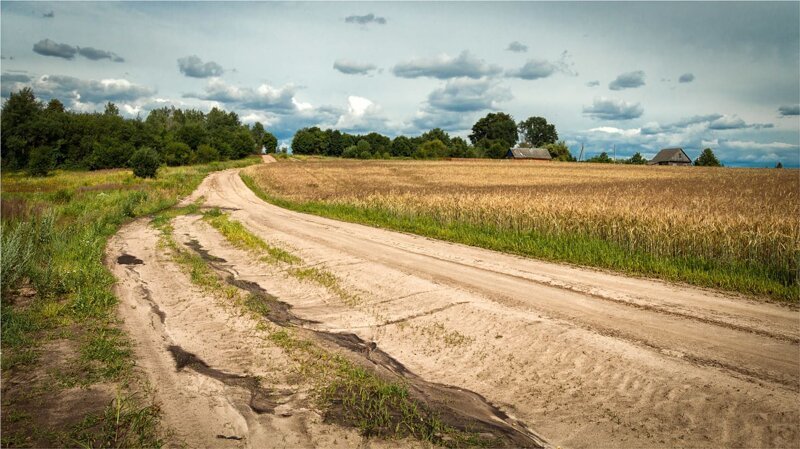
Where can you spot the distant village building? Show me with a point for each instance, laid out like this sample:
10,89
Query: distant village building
536,154
671,156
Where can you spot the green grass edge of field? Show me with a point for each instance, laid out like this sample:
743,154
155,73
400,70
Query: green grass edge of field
574,249
59,253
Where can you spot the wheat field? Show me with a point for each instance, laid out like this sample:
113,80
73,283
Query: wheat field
686,217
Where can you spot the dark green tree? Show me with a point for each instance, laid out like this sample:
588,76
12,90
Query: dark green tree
145,162
497,149
40,161
270,142
111,109
559,151
601,158
437,134
779,165
495,127
19,114
177,153
636,159
206,153
431,149
707,159
402,147
537,132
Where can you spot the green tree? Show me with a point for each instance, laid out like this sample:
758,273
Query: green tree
537,132
458,147
559,151
431,149
636,159
40,161
206,153
437,134
495,127
778,165
145,162
111,109
242,144
364,149
177,153
496,149
350,152
707,159
19,114
601,158
402,147
270,142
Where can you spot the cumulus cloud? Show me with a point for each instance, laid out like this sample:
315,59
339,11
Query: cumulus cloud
362,115
95,54
611,109
46,47
594,83
194,67
686,78
464,94
366,19
264,97
789,110
352,67
630,80
538,68
49,15
79,91
517,47
445,66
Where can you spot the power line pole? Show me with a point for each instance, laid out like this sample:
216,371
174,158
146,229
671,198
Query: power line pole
615,153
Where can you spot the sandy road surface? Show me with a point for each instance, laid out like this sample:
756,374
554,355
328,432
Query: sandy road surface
585,358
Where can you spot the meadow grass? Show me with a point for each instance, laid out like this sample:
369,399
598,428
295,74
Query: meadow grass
730,229
54,283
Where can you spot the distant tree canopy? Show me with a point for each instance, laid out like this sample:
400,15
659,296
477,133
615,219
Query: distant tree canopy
38,136
537,132
559,151
707,159
601,158
495,127
636,159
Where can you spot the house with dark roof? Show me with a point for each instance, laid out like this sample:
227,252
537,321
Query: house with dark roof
536,154
671,156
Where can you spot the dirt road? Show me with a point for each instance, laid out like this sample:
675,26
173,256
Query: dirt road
585,358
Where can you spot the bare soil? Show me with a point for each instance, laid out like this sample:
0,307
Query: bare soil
584,358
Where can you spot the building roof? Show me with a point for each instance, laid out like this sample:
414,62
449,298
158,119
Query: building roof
671,155
529,153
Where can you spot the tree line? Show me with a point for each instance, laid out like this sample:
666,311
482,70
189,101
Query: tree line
492,136
41,137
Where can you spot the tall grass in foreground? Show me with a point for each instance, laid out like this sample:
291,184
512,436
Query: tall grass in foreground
734,229
54,283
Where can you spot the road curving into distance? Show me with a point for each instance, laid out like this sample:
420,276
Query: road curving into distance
583,357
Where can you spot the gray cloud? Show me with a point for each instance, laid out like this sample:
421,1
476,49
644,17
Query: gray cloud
628,80
353,68
46,47
463,94
366,19
444,67
534,69
789,110
75,89
611,109
49,15
517,47
194,67
14,78
686,78
727,122
264,97
594,83
95,54
538,68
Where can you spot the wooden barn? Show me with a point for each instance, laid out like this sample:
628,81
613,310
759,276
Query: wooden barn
671,156
533,154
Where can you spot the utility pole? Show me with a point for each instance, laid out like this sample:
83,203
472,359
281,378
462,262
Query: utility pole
580,157
615,153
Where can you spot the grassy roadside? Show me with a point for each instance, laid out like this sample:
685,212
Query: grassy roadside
348,393
59,330
739,277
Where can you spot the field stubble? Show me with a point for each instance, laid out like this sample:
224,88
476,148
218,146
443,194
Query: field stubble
735,229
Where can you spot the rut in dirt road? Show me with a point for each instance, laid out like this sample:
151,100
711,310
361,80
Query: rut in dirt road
585,357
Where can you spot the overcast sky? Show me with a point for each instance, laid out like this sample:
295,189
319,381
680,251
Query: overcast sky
643,76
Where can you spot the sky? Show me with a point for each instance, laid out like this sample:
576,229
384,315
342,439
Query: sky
635,77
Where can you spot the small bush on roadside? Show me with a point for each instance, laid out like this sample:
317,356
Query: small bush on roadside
145,162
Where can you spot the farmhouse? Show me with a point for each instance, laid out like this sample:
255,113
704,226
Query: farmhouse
536,154
671,156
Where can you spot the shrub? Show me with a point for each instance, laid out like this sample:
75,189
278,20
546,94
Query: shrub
177,153
145,162
206,153
40,161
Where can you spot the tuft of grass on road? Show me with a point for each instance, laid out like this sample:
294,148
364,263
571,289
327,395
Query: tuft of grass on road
241,238
54,283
